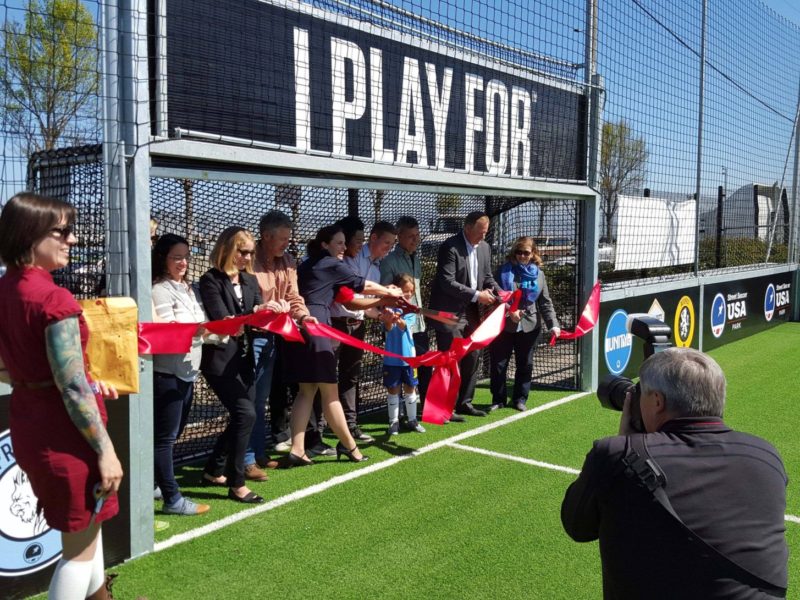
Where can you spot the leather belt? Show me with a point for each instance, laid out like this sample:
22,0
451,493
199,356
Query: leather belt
33,385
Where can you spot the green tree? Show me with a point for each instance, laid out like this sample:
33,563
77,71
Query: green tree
447,204
50,74
623,162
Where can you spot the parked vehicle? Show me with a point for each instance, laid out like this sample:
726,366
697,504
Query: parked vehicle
442,227
606,252
559,250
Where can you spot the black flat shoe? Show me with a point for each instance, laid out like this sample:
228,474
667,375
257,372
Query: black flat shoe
208,479
292,460
340,449
250,498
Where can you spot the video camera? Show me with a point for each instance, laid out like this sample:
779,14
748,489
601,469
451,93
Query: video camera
612,388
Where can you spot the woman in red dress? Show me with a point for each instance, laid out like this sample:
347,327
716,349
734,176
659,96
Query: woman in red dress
57,413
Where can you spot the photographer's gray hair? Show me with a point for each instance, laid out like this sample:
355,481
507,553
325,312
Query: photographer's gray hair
692,382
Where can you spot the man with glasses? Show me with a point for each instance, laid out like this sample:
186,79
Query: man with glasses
276,273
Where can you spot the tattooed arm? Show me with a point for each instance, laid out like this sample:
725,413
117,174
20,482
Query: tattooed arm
66,361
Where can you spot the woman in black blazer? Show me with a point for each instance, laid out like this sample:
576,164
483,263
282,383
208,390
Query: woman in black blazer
229,289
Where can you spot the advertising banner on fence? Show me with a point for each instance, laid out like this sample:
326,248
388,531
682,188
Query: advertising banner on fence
301,79
620,352
739,308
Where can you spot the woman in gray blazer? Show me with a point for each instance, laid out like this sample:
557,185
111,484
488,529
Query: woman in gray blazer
522,270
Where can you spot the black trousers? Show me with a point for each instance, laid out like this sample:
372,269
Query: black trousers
522,345
279,396
350,361
237,394
469,364
421,345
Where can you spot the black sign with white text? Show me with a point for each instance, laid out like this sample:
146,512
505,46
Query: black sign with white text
737,309
301,81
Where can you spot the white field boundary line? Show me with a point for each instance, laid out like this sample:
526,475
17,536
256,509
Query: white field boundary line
546,465
340,479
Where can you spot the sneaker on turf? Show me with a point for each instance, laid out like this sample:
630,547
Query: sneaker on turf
321,449
415,426
360,436
394,428
157,495
283,446
185,507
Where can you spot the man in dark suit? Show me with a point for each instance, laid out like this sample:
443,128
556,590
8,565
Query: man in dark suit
463,282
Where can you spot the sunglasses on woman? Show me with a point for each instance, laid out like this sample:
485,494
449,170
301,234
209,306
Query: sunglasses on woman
523,252
63,232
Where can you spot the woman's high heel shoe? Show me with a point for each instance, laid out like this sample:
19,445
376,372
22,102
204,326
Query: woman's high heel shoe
340,449
292,460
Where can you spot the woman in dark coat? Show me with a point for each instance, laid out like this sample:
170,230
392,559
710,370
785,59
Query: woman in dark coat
522,270
230,289
313,365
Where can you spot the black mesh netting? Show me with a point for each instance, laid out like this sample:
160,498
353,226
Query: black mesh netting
200,209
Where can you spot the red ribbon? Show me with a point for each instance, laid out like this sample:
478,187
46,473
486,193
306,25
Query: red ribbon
440,399
176,338
588,318
166,338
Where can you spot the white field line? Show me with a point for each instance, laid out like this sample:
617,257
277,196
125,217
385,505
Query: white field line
552,467
527,461
339,479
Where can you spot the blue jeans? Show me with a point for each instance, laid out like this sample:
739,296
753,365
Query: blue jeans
264,355
172,399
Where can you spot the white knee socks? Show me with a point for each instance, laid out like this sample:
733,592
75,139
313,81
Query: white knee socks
394,408
411,406
77,579
98,572
70,580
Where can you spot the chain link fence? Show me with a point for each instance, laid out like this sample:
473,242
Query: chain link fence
695,166
679,128
191,208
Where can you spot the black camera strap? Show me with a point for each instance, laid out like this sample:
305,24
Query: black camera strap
638,463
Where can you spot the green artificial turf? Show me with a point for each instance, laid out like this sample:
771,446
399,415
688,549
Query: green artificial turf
449,523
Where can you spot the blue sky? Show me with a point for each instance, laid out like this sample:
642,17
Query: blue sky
787,8
742,134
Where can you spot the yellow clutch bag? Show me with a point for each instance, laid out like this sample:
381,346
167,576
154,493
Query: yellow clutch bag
113,352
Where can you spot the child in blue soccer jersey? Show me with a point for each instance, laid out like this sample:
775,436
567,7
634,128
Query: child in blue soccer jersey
397,373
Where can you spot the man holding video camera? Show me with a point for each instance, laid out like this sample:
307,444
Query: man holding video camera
689,508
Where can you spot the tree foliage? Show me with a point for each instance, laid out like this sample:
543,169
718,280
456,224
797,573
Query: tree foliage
447,204
50,73
623,162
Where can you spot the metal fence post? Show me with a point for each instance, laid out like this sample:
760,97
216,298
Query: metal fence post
701,101
135,130
794,234
589,346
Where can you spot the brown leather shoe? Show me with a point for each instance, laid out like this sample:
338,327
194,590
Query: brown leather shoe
265,462
104,591
253,473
